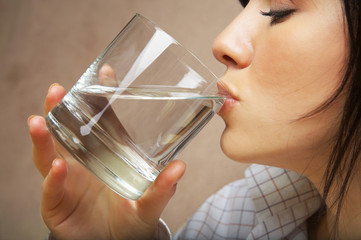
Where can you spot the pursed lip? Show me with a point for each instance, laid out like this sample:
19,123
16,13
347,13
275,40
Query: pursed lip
231,99
225,91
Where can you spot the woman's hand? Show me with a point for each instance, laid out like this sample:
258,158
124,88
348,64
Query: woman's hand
75,205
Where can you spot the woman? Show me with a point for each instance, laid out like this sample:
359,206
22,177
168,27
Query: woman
293,69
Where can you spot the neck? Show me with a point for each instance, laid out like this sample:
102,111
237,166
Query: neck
349,218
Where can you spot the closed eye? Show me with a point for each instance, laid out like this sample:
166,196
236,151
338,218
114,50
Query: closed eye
278,16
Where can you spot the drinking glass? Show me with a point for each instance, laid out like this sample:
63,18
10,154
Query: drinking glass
137,105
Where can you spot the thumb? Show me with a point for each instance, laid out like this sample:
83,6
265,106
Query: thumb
156,197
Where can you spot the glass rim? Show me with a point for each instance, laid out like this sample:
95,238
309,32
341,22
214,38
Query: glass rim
158,28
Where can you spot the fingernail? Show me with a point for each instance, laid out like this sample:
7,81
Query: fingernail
106,66
51,86
29,119
55,162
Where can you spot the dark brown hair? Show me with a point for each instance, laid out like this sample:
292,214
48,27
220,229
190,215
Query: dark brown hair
345,158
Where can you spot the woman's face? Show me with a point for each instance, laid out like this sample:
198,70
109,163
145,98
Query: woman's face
284,59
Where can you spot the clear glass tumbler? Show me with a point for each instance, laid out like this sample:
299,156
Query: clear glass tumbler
137,105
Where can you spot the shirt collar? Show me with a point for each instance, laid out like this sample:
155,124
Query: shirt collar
283,200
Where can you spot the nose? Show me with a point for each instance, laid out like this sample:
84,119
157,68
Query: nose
233,46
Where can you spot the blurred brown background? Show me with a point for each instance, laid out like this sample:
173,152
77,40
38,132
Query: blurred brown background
46,41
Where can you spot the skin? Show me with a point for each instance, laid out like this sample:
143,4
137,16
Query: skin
75,205
277,72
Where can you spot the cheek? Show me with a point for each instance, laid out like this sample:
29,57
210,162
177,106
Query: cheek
278,142
298,72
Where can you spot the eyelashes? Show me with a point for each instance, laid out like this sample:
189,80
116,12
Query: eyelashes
278,16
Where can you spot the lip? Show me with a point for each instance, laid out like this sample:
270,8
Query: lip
231,99
227,106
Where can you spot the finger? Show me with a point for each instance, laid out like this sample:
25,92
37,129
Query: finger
53,188
155,199
43,146
55,95
107,76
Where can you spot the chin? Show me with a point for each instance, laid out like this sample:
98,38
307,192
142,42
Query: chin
241,149
234,149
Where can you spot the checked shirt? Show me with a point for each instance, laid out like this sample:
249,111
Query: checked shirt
270,203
